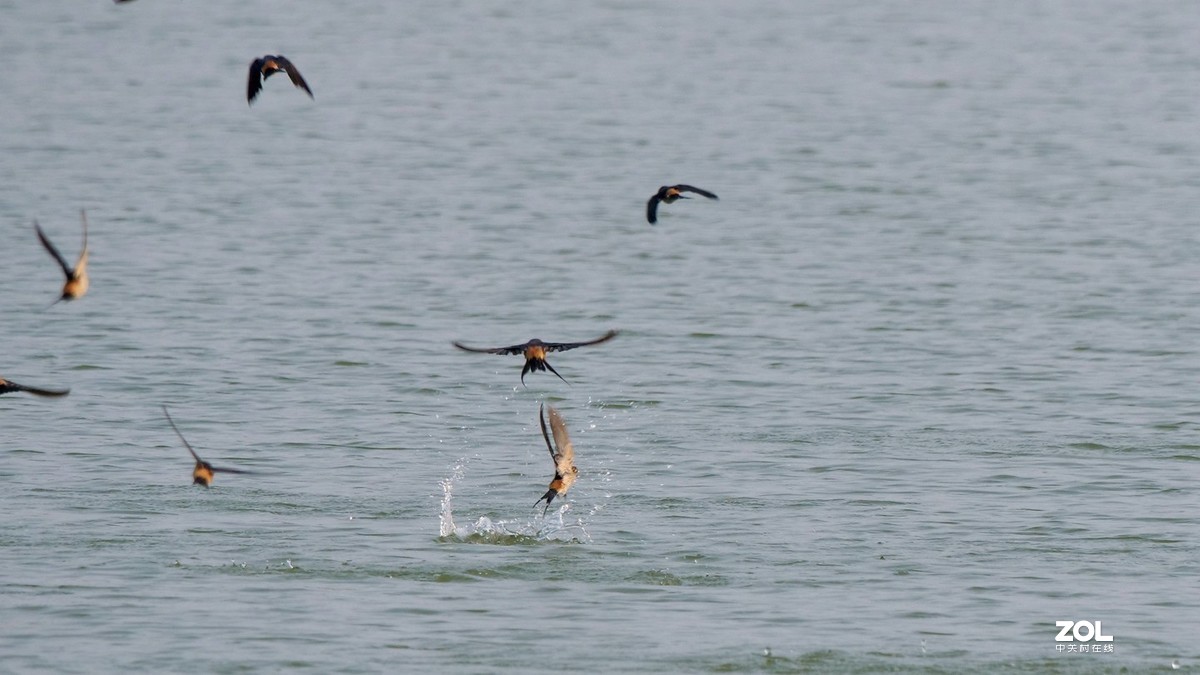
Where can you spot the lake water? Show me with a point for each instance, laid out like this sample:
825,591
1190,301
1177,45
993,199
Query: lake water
920,384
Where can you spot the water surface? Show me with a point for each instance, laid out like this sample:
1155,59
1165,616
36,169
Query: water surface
920,384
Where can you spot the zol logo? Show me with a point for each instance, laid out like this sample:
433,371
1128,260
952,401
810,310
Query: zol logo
1081,631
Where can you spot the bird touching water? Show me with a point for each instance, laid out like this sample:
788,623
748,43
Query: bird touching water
202,474
565,470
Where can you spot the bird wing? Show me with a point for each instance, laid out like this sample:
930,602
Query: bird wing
254,85
564,459
545,434
53,251
53,393
7,386
564,346
652,209
81,263
225,470
515,349
294,73
185,443
689,188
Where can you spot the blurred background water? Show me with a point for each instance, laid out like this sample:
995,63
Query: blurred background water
919,385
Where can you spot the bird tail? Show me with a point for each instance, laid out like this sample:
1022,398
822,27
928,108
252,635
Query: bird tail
551,369
549,497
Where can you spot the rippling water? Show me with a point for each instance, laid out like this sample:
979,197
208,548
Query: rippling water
921,383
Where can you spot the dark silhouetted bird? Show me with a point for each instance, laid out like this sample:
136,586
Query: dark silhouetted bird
8,386
535,352
77,278
267,66
668,194
565,471
203,473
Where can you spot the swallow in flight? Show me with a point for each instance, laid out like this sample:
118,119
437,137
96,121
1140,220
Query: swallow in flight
535,352
203,473
667,194
77,278
7,386
565,470
267,66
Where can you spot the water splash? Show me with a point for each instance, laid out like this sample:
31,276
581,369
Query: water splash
447,515
551,527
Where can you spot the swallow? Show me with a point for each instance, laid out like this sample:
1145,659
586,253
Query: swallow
565,470
535,352
667,194
262,68
77,278
8,386
203,473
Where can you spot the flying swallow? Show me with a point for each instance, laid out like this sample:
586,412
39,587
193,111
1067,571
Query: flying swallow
203,473
77,278
535,352
262,68
7,386
667,194
565,470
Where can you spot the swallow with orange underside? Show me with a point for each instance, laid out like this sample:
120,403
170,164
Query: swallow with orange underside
265,67
565,471
8,386
77,278
667,194
203,473
535,352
